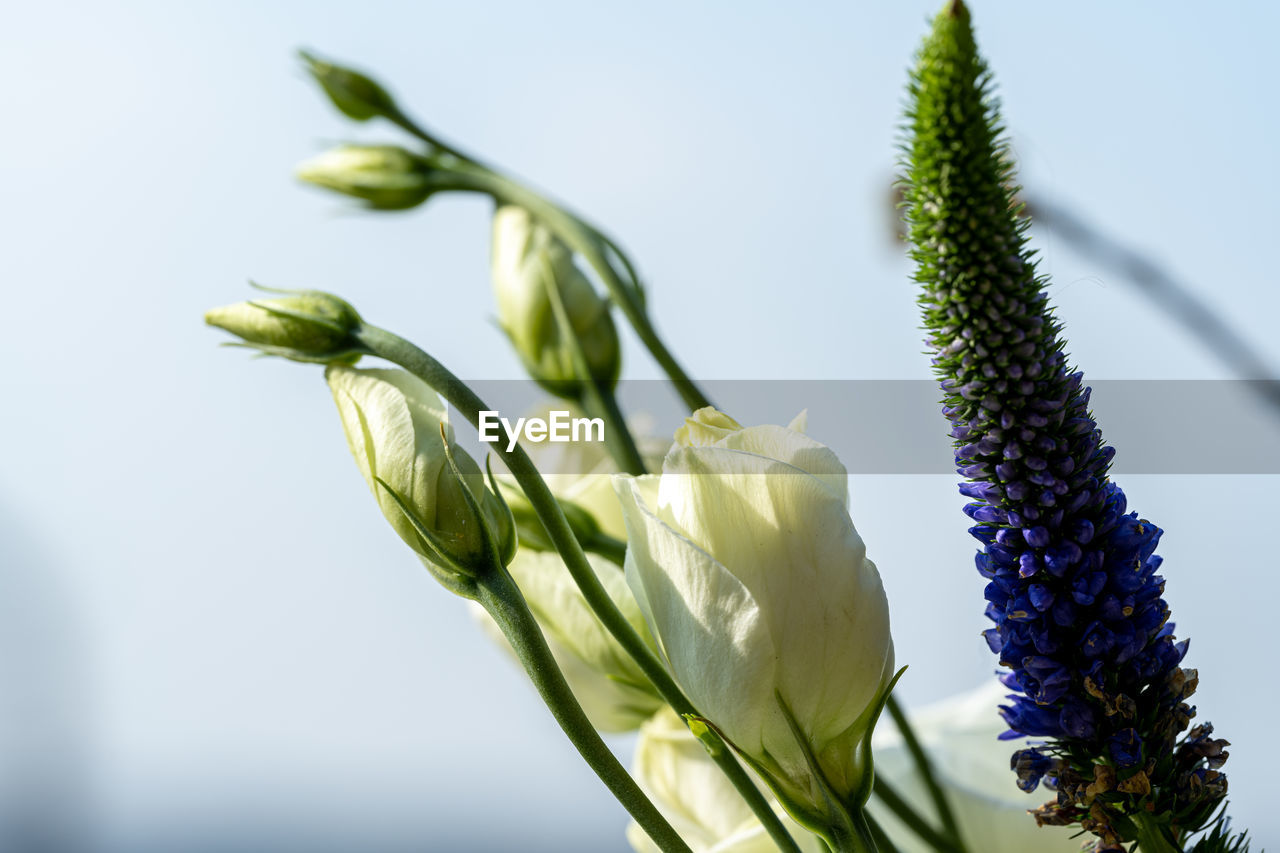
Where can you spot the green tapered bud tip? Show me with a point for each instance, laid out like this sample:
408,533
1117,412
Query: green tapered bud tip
956,9
305,326
356,95
385,177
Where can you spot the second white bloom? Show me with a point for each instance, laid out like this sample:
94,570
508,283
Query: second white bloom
756,585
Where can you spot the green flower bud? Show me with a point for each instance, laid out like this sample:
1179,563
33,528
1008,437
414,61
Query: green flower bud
527,260
355,95
386,177
430,490
305,326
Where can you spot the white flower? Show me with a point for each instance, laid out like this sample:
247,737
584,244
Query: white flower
756,585
972,766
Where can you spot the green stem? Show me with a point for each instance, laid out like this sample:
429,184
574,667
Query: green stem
397,350
498,594
601,402
882,839
925,768
411,127
854,838
903,811
613,550
596,396
1151,835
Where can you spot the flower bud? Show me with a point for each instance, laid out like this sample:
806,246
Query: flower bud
355,95
613,690
398,432
305,326
749,532
386,177
527,260
673,768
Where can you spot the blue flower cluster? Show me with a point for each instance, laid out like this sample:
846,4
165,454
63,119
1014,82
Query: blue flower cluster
1072,590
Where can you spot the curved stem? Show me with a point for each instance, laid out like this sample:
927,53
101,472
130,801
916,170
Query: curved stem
855,838
882,839
397,350
925,767
595,395
498,594
903,811
601,402
613,550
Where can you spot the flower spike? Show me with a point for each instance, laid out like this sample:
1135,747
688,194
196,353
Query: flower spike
1079,618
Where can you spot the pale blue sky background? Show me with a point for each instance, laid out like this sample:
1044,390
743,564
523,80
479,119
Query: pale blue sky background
210,641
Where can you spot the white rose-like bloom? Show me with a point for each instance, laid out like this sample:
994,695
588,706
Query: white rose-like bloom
959,734
757,587
696,797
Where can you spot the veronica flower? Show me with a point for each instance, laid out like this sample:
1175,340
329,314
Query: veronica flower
1079,618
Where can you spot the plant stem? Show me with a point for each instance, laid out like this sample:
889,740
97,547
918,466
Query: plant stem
903,811
925,768
596,395
855,838
397,350
498,594
883,841
1151,835
613,550
601,402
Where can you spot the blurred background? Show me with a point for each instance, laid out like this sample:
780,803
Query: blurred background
210,641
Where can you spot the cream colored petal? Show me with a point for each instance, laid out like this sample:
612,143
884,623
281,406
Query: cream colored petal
391,420
708,624
705,426
559,605
788,539
795,448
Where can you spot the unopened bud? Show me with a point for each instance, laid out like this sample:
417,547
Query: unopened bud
527,261
354,94
430,490
308,325
386,177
